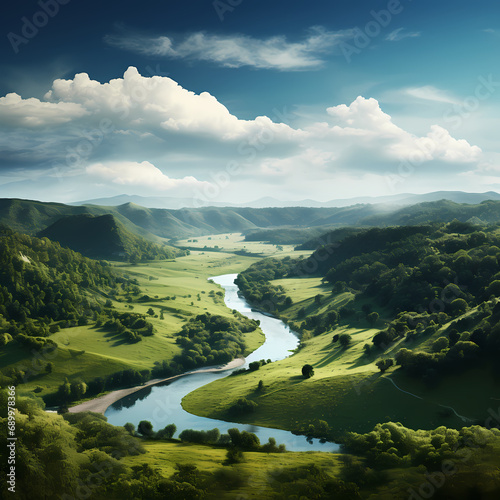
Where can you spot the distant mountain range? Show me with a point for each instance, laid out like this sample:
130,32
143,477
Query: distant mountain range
269,202
87,229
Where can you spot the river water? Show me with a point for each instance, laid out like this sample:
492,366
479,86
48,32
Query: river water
161,404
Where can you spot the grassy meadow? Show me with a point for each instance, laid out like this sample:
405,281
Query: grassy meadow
347,389
179,288
257,474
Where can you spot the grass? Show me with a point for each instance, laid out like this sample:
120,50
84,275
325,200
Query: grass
347,389
256,469
235,242
180,288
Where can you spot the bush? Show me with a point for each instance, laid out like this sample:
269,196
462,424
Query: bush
307,371
145,428
345,339
440,344
242,407
384,364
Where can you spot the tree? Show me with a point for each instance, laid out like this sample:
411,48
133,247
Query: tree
440,344
234,456
459,306
260,386
242,407
345,339
151,311
384,364
332,317
372,318
78,389
130,428
145,428
254,365
307,371
49,367
167,432
335,338
213,435
493,289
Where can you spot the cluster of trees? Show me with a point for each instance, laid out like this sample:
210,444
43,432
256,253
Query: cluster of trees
312,481
448,266
252,367
212,339
254,284
132,326
42,283
207,339
242,407
315,429
81,456
141,250
465,342
56,456
317,323
241,440
76,389
391,445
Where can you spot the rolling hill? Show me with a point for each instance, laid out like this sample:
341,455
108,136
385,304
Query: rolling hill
104,237
155,224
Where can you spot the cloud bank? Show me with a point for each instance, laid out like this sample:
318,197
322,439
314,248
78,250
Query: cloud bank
149,134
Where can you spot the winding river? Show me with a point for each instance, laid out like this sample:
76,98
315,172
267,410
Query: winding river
162,404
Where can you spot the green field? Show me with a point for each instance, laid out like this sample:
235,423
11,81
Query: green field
347,389
235,242
257,471
180,288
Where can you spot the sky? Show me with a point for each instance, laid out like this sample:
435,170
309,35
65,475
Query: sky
235,100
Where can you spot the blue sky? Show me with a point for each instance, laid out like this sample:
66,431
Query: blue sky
232,100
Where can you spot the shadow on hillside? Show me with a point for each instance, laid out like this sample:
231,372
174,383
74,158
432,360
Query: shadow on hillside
330,357
116,338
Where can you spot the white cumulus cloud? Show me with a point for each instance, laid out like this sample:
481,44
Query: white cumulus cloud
143,174
371,129
32,113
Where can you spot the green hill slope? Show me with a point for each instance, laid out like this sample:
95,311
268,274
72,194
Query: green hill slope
153,224
104,237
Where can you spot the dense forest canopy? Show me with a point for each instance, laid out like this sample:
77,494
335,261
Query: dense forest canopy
428,278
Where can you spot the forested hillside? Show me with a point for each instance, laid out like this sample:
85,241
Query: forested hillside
104,237
424,279
32,217
42,283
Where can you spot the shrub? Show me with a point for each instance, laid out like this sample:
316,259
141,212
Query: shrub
307,371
